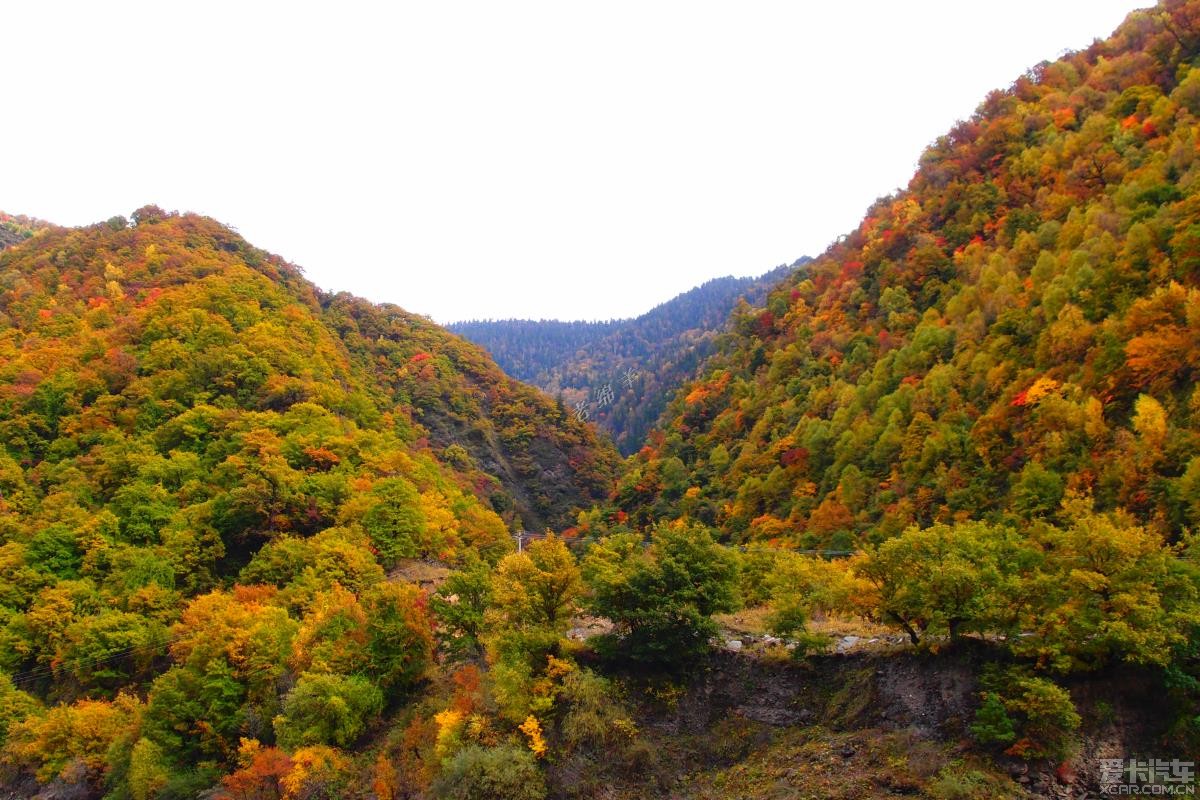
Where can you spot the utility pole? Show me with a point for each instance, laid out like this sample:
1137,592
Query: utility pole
520,537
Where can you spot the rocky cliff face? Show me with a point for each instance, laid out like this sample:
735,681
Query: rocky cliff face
870,725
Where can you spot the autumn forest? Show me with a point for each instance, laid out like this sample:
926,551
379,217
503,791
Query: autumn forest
918,516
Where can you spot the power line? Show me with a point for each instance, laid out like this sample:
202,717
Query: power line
48,670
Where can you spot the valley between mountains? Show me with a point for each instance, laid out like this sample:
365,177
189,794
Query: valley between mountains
915,517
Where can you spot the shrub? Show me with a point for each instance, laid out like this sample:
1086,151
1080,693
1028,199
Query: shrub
492,773
992,724
327,709
1035,716
1048,718
958,782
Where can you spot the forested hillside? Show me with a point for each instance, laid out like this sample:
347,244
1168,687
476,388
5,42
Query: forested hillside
99,287
180,414
534,462
16,229
979,408
620,374
1020,325
923,525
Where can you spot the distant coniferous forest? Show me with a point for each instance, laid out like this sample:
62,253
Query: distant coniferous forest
621,374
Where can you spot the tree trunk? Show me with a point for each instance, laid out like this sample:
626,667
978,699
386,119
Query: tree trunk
912,634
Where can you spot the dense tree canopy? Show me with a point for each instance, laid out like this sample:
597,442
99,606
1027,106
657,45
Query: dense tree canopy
662,598
254,538
1019,323
620,374
207,468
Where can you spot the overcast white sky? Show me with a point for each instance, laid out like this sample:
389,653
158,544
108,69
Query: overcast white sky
516,159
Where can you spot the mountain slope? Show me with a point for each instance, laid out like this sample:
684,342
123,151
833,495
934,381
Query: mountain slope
525,453
125,332
1019,324
212,480
16,229
620,373
217,483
